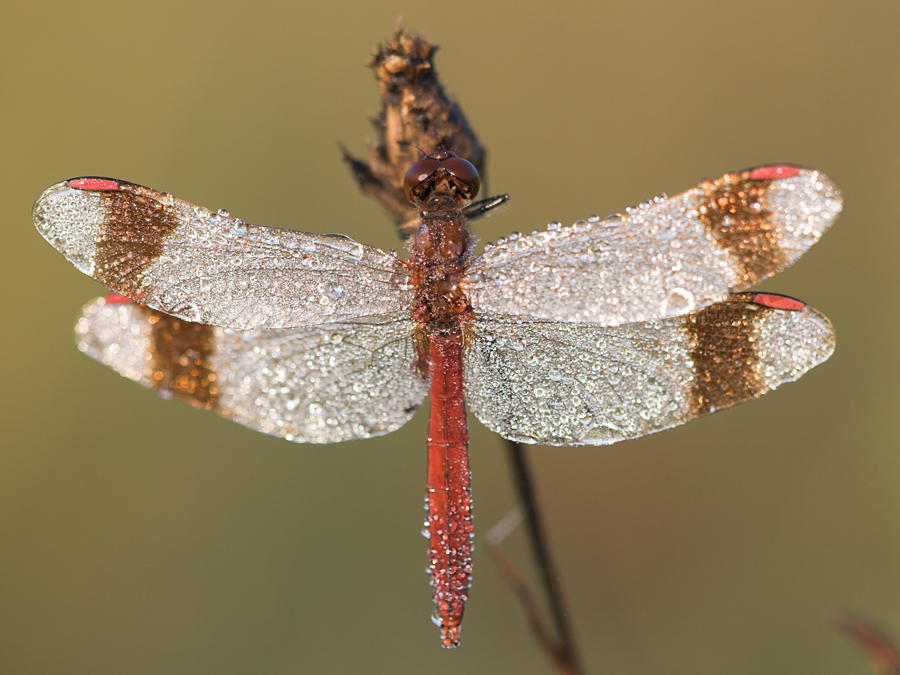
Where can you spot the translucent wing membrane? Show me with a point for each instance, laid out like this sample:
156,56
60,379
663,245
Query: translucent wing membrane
319,384
536,381
210,268
667,257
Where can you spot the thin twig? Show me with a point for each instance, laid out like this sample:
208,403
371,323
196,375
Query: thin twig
879,649
564,654
548,641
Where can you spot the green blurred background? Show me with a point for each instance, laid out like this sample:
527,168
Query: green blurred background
140,536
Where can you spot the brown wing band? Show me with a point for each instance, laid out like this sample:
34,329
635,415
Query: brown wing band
724,338
134,231
732,210
180,359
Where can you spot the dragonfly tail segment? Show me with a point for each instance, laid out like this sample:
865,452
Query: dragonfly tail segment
449,494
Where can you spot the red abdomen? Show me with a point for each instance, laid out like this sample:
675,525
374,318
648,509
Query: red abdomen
449,495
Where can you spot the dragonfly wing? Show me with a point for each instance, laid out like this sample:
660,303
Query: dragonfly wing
210,268
667,257
318,384
555,383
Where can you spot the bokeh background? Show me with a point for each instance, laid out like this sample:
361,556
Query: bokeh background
140,536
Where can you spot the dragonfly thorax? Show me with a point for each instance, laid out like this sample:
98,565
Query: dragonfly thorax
440,252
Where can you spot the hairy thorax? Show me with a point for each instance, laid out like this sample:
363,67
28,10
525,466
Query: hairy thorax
439,253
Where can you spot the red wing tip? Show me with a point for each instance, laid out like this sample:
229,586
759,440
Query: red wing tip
774,172
778,301
115,299
94,184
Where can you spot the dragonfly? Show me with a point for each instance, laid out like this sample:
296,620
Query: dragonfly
586,334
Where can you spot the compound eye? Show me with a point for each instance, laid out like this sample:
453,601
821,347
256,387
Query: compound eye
463,170
418,172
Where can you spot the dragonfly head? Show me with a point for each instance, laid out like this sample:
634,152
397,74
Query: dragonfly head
441,179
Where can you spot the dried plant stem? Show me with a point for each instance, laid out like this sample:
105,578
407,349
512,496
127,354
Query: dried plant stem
562,649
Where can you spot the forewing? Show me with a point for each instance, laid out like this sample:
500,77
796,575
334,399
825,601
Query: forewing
318,384
535,381
210,268
667,257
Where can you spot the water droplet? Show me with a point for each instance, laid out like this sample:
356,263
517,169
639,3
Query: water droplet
501,241
679,301
488,246
631,210
400,279
613,220
332,291
660,198
554,225
593,218
223,212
